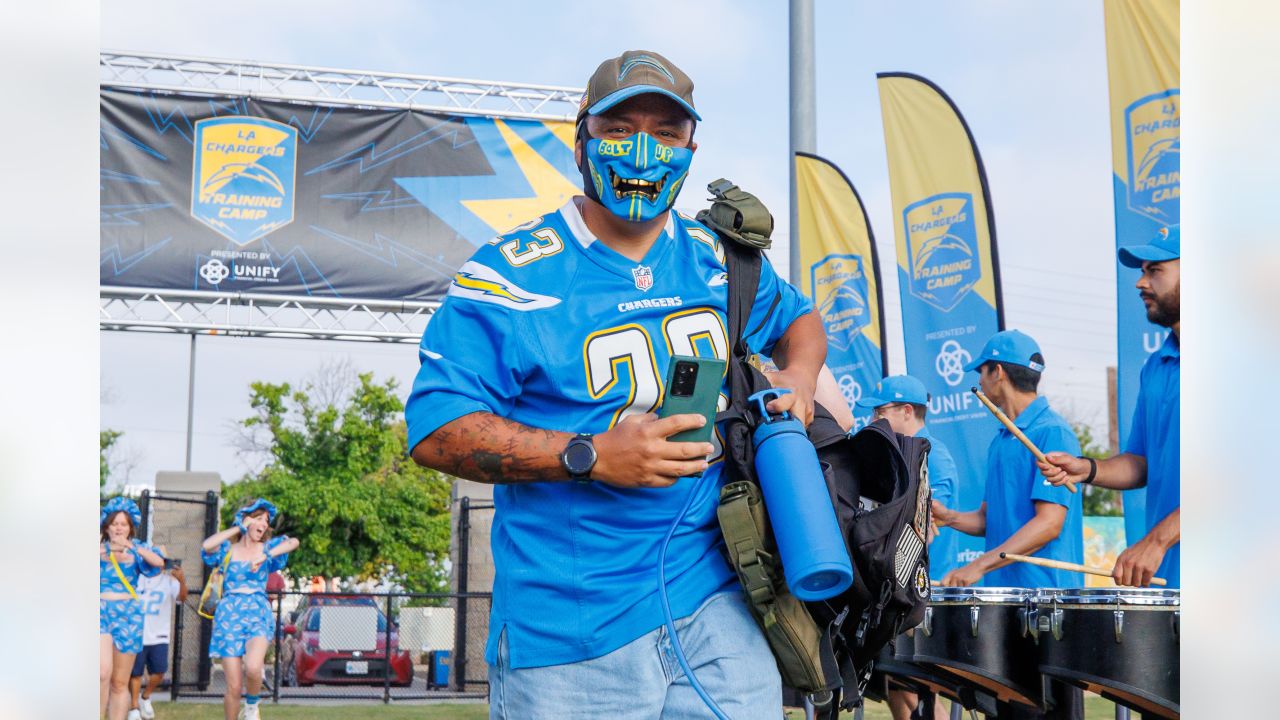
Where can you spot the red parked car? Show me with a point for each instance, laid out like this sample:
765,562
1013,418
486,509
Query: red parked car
306,664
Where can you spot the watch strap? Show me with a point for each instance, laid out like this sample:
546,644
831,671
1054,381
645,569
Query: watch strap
1093,470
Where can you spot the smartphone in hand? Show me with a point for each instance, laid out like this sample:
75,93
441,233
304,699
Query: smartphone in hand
693,386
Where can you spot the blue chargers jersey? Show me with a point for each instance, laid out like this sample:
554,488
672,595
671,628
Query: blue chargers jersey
548,327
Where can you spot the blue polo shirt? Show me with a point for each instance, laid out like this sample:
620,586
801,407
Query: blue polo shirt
943,484
1155,435
1014,484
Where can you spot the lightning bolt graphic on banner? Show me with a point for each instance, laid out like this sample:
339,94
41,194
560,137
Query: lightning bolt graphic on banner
374,200
367,156
109,130
119,214
388,251
532,164
120,264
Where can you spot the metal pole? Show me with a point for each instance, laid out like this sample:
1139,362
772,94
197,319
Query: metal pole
191,398
386,648
275,678
804,125
144,530
1122,712
460,617
175,679
204,664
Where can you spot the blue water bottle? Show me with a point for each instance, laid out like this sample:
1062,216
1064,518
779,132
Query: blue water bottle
814,557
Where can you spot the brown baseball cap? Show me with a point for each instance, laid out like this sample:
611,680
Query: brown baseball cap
632,73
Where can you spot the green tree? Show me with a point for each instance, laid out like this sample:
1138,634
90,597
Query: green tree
1096,500
341,476
106,440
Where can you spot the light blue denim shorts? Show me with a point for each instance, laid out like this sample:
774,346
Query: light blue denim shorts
642,680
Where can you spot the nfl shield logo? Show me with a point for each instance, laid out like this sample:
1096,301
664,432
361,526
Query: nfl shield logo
643,276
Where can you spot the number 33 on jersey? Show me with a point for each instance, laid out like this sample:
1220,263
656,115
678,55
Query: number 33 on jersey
548,327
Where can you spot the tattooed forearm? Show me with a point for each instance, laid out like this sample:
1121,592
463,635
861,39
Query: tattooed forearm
490,449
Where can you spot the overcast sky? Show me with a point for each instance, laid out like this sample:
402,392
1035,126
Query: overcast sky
1030,79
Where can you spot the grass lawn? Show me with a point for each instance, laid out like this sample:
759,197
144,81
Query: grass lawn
1095,709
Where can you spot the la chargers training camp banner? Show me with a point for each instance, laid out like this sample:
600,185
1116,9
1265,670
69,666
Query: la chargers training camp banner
947,271
1146,105
242,195
841,276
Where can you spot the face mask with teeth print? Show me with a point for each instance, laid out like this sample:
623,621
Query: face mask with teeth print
637,178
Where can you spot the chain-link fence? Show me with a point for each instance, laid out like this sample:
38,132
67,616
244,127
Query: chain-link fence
350,646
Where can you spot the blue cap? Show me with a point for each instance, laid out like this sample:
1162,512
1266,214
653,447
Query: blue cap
1009,346
123,504
255,506
896,389
1166,245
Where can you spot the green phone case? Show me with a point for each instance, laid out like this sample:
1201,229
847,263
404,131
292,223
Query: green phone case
703,400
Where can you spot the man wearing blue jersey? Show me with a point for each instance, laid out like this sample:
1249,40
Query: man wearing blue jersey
541,373
1021,512
1151,457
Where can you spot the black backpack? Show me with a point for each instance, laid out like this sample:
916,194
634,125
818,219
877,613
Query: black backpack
827,649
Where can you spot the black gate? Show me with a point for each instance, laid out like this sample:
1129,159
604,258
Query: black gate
181,524
355,646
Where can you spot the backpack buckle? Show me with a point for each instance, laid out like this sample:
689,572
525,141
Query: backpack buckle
862,627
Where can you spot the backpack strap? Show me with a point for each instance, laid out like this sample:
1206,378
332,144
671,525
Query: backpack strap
743,265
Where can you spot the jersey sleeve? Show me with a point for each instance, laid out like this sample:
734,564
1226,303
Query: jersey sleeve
1055,438
778,303
471,361
215,557
145,568
277,563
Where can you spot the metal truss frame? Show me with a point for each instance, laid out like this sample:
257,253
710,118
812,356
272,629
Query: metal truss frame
336,86
262,315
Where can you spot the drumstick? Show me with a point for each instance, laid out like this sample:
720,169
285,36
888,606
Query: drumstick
1060,565
1004,419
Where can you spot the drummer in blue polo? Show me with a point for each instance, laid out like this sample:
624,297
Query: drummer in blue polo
1151,456
903,401
1022,513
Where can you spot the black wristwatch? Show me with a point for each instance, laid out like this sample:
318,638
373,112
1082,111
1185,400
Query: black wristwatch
579,457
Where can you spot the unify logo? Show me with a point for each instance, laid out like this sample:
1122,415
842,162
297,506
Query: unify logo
850,389
214,271
950,362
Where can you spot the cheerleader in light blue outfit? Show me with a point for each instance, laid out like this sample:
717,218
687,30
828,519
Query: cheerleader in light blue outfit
243,623
121,560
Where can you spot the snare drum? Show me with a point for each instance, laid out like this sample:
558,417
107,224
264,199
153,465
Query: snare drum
1121,643
981,635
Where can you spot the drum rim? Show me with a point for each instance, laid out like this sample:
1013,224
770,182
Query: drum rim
981,594
1111,596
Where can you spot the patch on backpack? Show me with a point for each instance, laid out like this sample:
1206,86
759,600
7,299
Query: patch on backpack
921,520
910,545
922,581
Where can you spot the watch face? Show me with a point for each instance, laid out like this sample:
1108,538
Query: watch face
579,457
